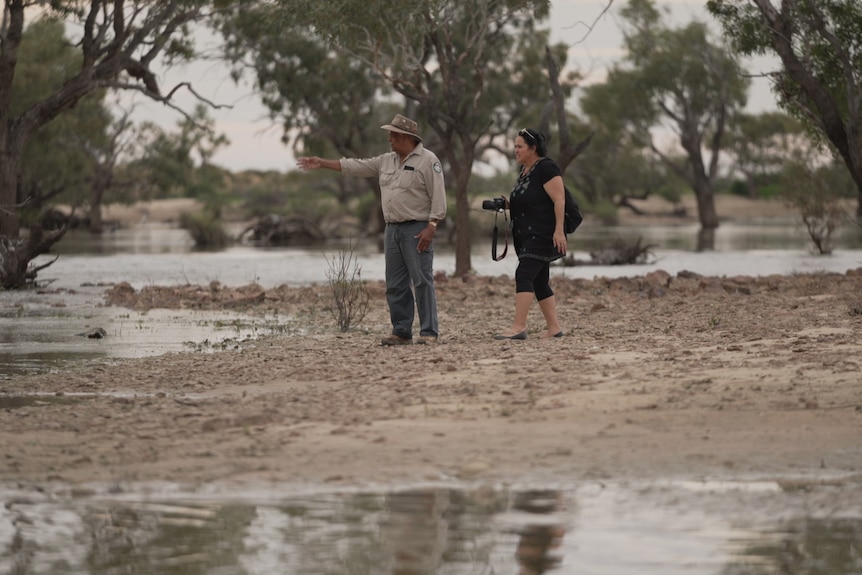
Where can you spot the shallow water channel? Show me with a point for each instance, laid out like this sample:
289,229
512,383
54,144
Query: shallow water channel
659,528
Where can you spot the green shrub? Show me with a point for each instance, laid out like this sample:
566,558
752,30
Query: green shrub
205,229
816,192
769,191
740,188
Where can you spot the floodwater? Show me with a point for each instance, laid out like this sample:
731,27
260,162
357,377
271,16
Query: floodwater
41,329
753,526
756,527
164,256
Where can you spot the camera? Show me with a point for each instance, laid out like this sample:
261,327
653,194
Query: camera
495,205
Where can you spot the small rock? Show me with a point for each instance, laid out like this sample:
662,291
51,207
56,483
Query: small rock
95,333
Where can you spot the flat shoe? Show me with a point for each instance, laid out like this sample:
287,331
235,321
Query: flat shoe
521,335
558,334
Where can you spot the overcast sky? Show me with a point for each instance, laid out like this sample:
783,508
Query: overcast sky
591,31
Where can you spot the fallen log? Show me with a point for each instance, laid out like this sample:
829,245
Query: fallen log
275,230
618,253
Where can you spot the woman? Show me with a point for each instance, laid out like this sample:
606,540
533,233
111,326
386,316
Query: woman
537,205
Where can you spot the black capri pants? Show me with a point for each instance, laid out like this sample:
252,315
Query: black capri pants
533,275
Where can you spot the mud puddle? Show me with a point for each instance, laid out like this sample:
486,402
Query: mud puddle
39,337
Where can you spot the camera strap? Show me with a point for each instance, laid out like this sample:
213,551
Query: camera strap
495,235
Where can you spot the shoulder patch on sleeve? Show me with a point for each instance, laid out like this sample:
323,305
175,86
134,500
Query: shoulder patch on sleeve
437,167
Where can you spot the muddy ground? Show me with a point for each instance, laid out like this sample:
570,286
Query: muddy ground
657,376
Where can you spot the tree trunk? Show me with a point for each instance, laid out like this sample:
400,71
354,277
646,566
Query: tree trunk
463,263
16,255
853,158
701,183
706,213
9,160
705,239
462,168
96,226
856,166
9,222
377,225
751,183
96,207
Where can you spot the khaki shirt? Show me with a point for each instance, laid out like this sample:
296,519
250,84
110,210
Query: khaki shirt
413,190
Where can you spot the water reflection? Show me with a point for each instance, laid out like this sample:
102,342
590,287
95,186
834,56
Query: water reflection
767,235
415,531
805,547
538,542
424,531
141,239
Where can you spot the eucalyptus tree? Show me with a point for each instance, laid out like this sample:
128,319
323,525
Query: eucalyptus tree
464,63
119,42
325,101
677,81
819,45
759,145
618,168
176,163
104,153
55,165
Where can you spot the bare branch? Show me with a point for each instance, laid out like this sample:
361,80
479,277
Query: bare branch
665,159
35,269
11,209
590,27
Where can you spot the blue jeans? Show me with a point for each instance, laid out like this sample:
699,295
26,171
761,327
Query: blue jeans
409,272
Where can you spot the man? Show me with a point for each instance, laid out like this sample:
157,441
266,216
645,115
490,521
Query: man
413,196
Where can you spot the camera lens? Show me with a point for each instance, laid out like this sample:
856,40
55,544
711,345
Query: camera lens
495,205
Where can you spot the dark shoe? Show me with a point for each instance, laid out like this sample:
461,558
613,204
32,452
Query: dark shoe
396,340
559,334
521,335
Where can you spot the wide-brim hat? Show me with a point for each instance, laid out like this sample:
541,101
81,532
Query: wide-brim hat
403,125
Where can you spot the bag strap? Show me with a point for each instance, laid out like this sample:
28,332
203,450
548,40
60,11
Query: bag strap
495,235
